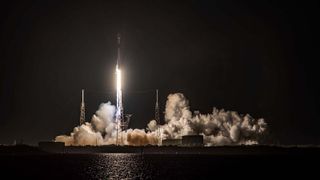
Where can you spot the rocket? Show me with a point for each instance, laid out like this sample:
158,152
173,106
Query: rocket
118,57
118,75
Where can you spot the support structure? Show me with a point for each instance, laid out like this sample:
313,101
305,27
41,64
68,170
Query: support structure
157,116
82,109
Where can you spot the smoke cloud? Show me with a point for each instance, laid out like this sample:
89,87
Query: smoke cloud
102,131
218,128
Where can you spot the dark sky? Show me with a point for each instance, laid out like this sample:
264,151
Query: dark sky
251,57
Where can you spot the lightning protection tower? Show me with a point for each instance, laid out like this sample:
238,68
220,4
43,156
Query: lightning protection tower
157,116
82,109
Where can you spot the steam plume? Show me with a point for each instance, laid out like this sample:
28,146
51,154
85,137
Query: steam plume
218,128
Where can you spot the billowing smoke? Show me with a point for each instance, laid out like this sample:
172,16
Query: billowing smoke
218,128
102,131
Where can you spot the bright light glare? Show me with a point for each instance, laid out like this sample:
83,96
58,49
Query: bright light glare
118,74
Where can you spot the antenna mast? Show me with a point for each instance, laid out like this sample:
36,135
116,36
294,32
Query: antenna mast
82,109
157,116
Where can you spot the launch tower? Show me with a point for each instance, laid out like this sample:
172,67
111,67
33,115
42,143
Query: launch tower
157,116
82,109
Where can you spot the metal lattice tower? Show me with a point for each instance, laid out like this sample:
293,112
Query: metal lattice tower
82,109
124,126
157,115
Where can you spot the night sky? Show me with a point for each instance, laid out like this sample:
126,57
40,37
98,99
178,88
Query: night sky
251,57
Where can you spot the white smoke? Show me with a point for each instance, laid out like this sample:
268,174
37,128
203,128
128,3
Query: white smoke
218,128
102,131
152,125
81,135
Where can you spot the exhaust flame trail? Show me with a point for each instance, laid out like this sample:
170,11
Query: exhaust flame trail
119,94
119,109
118,76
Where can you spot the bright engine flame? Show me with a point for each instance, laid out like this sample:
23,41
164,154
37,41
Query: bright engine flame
119,95
118,76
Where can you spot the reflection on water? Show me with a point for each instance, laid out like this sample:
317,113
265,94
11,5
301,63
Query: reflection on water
117,166
142,166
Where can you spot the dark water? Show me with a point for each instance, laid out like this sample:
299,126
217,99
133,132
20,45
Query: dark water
137,166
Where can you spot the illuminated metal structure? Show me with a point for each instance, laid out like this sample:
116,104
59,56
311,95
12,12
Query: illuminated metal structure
82,109
124,125
192,140
157,117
